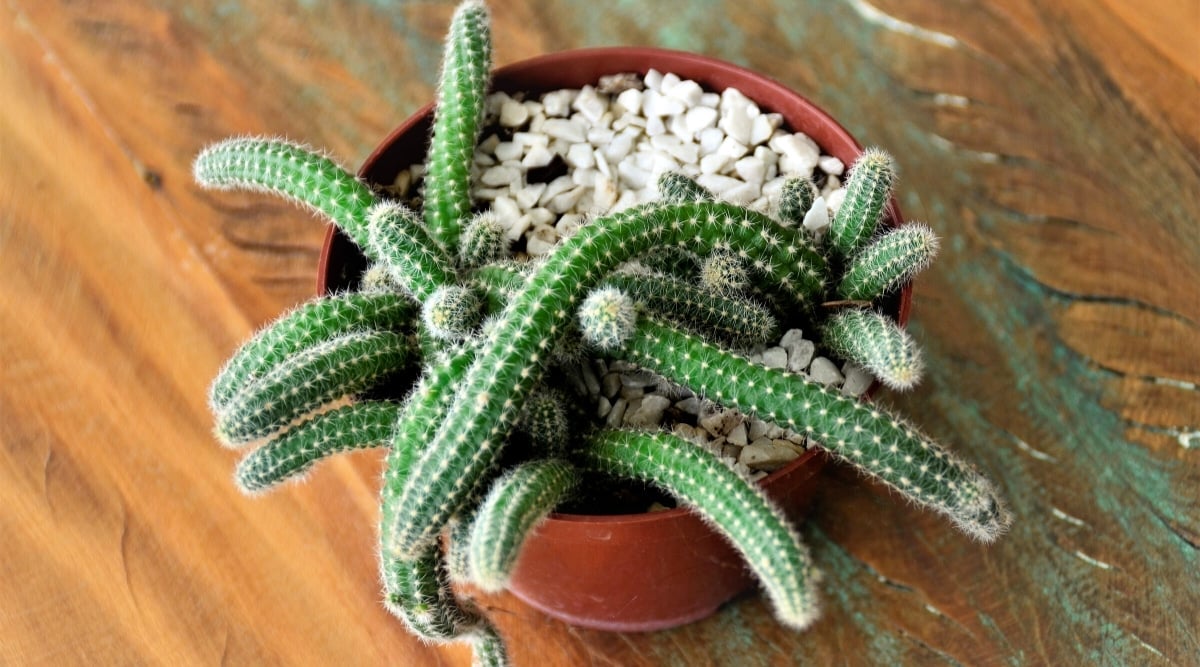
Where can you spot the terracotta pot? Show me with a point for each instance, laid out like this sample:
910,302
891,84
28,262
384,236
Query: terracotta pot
629,572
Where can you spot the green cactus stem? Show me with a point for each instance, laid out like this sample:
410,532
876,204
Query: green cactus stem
483,241
314,322
466,443
735,320
672,261
414,260
796,198
488,647
734,506
418,592
309,379
867,192
877,343
355,426
877,443
452,312
888,262
674,187
456,124
293,171
516,503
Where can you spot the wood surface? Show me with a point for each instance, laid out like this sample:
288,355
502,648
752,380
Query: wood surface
1054,144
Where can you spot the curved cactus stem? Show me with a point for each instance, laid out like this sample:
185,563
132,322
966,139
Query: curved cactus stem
467,441
415,262
867,192
355,426
458,115
417,591
458,552
516,503
677,188
888,262
488,647
313,377
733,505
796,198
877,443
289,170
314,322
876,343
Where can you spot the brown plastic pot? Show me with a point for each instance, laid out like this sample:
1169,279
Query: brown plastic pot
626,572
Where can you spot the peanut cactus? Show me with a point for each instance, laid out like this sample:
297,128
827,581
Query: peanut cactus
677,287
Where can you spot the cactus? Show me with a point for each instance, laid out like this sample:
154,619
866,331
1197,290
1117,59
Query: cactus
516,503
456,122
797,197
867,191
490,329
737,509
876,343
888,262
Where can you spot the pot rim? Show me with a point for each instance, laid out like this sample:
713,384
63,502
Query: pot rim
754,85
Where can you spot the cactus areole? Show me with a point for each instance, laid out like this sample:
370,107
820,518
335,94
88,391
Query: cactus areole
596,571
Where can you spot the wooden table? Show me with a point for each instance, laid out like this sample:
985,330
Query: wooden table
1054,145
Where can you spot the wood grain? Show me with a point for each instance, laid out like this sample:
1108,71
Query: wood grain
1054,145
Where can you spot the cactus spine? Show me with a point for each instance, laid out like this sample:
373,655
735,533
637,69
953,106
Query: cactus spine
414,261
459,112
482,241
516,503
739,510
607,317
452,312
876,343
676,188
290,170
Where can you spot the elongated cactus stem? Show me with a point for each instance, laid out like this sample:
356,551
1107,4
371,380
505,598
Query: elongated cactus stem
289,170
483,241
732,505
878,344
867,192
888,262
796,198
416,263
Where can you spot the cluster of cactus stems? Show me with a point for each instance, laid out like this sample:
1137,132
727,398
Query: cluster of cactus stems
680,287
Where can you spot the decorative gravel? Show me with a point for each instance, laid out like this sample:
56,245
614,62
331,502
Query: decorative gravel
547,164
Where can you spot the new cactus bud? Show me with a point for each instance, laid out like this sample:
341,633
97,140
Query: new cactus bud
483,241
677,188
516,503
607,318
545,421
867,192
377,278
888,262
401,243
876,343
796,198
457,118
724,273
452,312
289,170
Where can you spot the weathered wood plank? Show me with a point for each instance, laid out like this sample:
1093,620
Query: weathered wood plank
1055,146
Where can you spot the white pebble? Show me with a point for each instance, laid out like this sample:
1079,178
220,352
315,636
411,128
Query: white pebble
763,126
655,104
688,92
632,176
857,380
831,165
630,100
801,356
507,150
736,120
700,118
710,100
558,102
538,156
751,169
718,184
714,162
824,371
835,199
589,104
513,114
653,79
817,218
710,139
500,175
579,156
567,130
529,195
775,357
556,187
742,194
732,148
